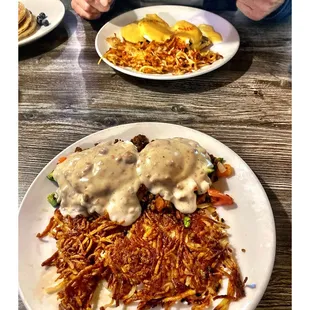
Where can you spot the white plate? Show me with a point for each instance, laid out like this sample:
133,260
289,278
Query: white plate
53,9
171,14
251,222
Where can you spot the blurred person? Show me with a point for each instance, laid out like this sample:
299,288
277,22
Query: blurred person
273,10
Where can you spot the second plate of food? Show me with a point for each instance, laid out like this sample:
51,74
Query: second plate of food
31,27
167,42
165,257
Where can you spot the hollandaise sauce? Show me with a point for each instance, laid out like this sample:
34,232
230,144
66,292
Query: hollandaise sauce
153,28
188,33
131,33
209,32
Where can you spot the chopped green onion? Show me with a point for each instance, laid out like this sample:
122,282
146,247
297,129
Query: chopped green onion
50,176
210,170
52,200
221,159
187,221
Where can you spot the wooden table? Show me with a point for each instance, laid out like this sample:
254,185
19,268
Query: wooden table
246,104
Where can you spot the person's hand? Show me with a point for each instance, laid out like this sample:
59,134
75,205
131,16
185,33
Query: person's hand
258,9
90,9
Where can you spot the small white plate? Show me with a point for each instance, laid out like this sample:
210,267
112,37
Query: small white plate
171,14
53,9
251,221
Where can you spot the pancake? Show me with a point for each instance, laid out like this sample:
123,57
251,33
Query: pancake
25,23
20,22
21,12
30,30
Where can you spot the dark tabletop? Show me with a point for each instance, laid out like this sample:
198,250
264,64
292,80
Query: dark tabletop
246,104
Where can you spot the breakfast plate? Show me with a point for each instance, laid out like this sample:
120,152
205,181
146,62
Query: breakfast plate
53,9
251,232
171,14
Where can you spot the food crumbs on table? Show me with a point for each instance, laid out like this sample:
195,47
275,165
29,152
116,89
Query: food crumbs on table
243,250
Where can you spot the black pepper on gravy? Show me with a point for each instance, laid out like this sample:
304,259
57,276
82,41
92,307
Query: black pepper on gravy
107,177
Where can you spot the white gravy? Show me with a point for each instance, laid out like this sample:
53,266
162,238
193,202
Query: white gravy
107,177
102,178
175,168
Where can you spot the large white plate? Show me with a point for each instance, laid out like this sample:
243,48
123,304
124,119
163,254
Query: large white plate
251,221
171,14
53,9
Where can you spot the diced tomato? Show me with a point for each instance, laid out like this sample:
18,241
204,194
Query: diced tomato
61,159
219,199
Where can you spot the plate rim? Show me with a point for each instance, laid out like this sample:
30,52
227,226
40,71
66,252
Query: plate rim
31,39
165,77
273,248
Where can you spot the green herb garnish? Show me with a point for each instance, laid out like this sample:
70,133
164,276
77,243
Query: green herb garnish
220,159
210,170
187,221
52,200
50,176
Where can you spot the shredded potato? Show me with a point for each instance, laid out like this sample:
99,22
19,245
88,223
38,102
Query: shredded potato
172,56
157,261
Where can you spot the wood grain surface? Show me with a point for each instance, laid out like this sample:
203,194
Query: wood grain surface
246,104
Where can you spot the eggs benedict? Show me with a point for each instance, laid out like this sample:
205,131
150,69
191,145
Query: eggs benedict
153,28
188,33
131,33
209,32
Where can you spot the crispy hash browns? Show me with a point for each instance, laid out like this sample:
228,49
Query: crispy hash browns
172,56
156,261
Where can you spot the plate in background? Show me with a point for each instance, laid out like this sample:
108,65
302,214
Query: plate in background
53,9
171,14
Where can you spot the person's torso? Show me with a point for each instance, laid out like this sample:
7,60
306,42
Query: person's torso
211,5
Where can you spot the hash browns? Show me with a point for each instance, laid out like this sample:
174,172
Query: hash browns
157,261
172,56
